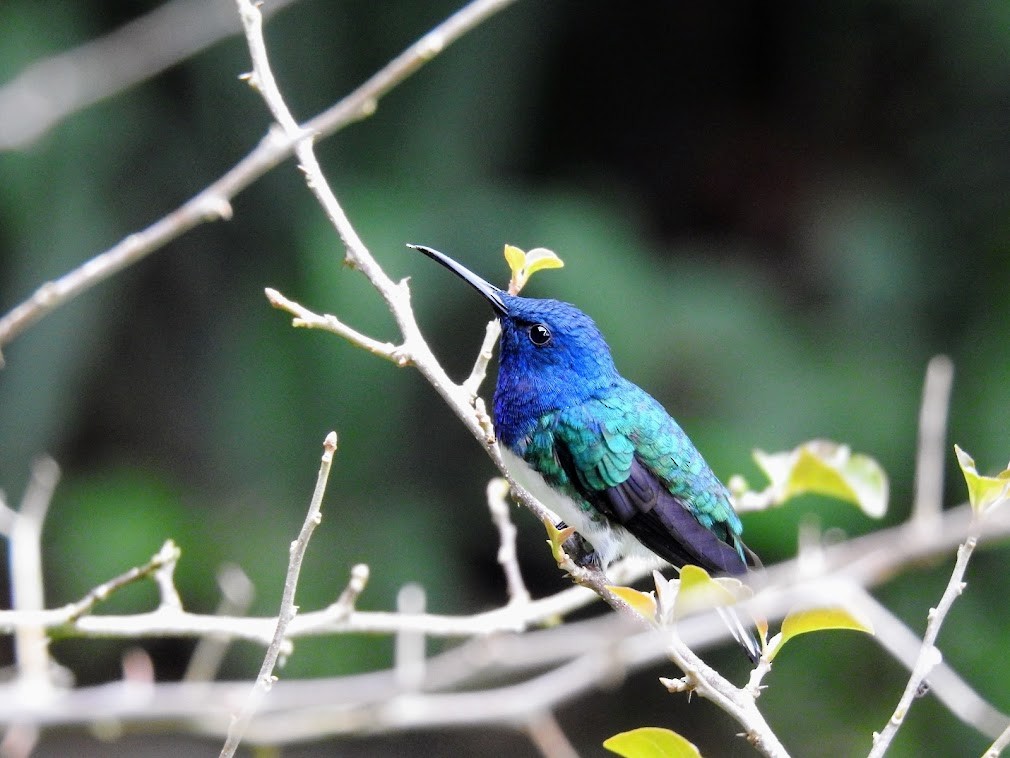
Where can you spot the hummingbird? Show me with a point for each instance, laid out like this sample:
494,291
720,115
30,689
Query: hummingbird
598,450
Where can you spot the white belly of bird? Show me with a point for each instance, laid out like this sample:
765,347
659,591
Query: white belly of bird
609,540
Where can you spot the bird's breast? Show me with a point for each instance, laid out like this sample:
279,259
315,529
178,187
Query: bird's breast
609,540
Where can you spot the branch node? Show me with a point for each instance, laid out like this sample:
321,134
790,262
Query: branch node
216,207
401,356
431,45
329,446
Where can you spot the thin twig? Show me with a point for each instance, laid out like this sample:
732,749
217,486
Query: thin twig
497,494
484,355
739,703
929,462
169,553
699,677
997,747
929,655
303,317
546,733
212,203
892,634
287,611
344,607
408,649
237,593
31,645
164,577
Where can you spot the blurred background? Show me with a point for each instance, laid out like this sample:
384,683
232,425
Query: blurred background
776,212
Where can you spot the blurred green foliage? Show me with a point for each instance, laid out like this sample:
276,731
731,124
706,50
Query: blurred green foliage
776,212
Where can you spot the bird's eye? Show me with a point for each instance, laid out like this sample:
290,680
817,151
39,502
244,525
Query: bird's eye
540,335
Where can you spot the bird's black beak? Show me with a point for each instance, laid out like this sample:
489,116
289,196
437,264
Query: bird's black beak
491,293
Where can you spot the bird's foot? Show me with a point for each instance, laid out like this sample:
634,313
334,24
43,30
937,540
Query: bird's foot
580,550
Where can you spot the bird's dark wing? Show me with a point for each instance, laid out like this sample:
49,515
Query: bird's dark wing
664,524
684,517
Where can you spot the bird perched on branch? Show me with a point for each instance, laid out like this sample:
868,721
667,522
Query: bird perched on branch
597,449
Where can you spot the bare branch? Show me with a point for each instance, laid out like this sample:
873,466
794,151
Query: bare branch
945,683
31,645
997,747
497,492
547,734
350,702
344,606
408,651
212,203
306,318
864,561
699,677
929,655
237,594
169,554
476,378
265,678
51,89
932,447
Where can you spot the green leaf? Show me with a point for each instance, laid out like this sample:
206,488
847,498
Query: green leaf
823,467
984,492
524,264
815,620
651,742
643,603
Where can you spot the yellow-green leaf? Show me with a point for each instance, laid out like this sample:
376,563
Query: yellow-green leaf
539,259
556,538
643,603
761,624
651,742
524,264
984,492
699,592
826,468
816,620
516,259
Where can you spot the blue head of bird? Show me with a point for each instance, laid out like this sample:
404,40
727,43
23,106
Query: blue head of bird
552,354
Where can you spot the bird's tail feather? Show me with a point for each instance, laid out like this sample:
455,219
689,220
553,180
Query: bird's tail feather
744,636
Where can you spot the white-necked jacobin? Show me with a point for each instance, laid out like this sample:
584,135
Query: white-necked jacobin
597,449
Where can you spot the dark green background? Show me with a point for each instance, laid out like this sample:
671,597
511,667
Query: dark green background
776,212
